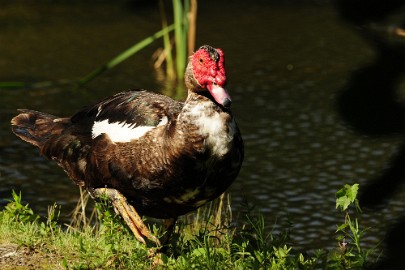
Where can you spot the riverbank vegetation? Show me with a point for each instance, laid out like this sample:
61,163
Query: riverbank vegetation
209,239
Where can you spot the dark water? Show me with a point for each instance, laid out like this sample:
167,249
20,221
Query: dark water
293,71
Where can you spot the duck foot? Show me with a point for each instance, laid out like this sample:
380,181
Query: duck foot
128,213
168,227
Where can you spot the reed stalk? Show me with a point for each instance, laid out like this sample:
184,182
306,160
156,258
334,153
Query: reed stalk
79,217
167,45
185,17
179,36
192,26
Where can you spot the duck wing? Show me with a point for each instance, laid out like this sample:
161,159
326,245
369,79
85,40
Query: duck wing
121,118
127,110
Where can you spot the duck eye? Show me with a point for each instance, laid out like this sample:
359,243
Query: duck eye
201,60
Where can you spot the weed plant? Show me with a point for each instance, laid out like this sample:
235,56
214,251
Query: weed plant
207,239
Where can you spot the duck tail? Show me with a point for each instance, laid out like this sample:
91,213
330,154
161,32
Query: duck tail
37,127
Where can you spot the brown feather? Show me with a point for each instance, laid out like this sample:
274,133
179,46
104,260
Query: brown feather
36,127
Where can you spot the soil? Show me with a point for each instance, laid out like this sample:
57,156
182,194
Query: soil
13,257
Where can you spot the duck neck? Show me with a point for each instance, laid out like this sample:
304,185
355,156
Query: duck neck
198,106
203,123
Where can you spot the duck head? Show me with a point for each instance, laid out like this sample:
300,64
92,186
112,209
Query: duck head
206,72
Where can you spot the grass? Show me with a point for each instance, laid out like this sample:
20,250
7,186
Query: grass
208,239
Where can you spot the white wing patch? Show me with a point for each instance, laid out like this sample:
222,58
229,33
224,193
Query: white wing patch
122,132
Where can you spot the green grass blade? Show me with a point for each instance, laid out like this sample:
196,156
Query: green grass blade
12,85
125,55
179,36
170,73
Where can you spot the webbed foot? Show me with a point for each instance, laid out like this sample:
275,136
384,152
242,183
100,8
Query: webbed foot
128,213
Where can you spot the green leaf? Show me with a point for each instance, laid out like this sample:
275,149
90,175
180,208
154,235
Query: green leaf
259,255
352,192
346,196
342,227
199,252
65,264
343,203
340,237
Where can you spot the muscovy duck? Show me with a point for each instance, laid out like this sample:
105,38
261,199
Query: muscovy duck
149,154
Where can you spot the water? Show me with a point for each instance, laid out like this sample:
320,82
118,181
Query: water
289,69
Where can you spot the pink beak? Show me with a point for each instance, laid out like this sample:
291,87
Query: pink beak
220,95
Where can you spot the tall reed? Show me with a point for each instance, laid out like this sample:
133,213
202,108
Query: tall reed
184,20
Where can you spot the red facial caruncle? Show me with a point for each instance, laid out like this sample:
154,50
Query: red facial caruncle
209,71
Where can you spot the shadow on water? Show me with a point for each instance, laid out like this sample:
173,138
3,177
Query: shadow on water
370,104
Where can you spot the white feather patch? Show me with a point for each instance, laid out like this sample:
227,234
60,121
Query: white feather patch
122,132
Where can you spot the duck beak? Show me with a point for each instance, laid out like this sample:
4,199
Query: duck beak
220,95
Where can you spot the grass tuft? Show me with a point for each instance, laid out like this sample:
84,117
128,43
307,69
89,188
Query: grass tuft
207,239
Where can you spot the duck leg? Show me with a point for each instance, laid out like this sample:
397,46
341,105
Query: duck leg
128,213
168,226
